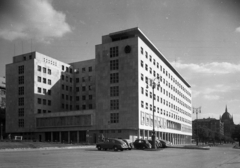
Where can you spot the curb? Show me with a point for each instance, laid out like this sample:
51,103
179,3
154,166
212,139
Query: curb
190,147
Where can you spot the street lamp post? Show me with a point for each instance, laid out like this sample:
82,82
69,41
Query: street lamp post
154,85
197,110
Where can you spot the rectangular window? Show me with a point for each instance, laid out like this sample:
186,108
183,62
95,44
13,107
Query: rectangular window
142,77
90,69
142,64
66,88
21,69
21,123
44,101
83,97
21,90
20,112
90,106
90,97
146,54
49,82
62,77
39,101
63,67
49,92
113,52
83,88
45,91
114,104
142,90
141,50
83,79
44,80
89,78
114,118
84,107
21,80
113,65
49,102
114,78
146,67
150,58
62,87
39,111
142,104
83,69
39,79
39,90
21,101
114,91
49,71
39,68
77,80
44,70
77,89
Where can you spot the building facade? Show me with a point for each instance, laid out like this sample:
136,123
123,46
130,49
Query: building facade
110,95
210,123
229,125
2,106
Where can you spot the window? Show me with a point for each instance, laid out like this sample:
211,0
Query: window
62,87
39,90
77,80
141,50
49,102
77,89
66,69
21,90
89,78
90,106
142,63
90,97
44,80
84,107
142,90
49,82
77,107
90,69
83,88
146,54
62,96
146,67
39,111
44,101
39,101
83,69
83,97
83,79
39,68
49,92
142,77
63,67
49,71
114,104
114,91
114,118
21,69
21,101
44,111
21,80
62,77
70,80
21,123
142,104
113,64
113,52
44,70
150,58
66,88
114,78
20,112
39,79
45,91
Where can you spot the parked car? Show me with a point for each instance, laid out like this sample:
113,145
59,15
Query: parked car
158,144
165,143
142,144
112,143
128,142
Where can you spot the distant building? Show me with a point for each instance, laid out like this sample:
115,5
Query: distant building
210,123
229,125
50,100
2,93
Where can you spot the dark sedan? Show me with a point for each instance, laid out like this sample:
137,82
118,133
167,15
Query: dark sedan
115,144
142,144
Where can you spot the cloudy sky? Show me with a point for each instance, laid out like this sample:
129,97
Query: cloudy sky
200,38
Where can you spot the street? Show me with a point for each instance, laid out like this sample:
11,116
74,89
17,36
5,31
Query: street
223,156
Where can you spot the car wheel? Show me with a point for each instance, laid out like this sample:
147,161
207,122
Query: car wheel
99,148
115,148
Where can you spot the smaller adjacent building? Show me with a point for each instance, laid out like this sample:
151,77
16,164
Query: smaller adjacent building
210,123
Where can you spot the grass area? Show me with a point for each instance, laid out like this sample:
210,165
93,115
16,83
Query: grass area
23,144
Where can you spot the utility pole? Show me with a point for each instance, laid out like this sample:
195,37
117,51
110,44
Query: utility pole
196,111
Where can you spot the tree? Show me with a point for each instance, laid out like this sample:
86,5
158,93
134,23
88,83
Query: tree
236,133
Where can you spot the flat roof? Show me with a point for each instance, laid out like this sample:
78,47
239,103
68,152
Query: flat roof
137,32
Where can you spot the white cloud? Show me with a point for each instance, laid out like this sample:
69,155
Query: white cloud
211,97
210,68
27,19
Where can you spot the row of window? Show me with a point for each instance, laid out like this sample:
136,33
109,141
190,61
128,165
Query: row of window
84,107
43,111
84,88
84,97
84,79
165,102
164,112
44,70
164,72
162,79
67,78
172,96
44,91
44,102
44,80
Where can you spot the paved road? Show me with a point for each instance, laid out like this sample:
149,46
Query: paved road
217,157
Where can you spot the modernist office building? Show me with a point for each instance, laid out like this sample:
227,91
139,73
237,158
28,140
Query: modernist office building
111,95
